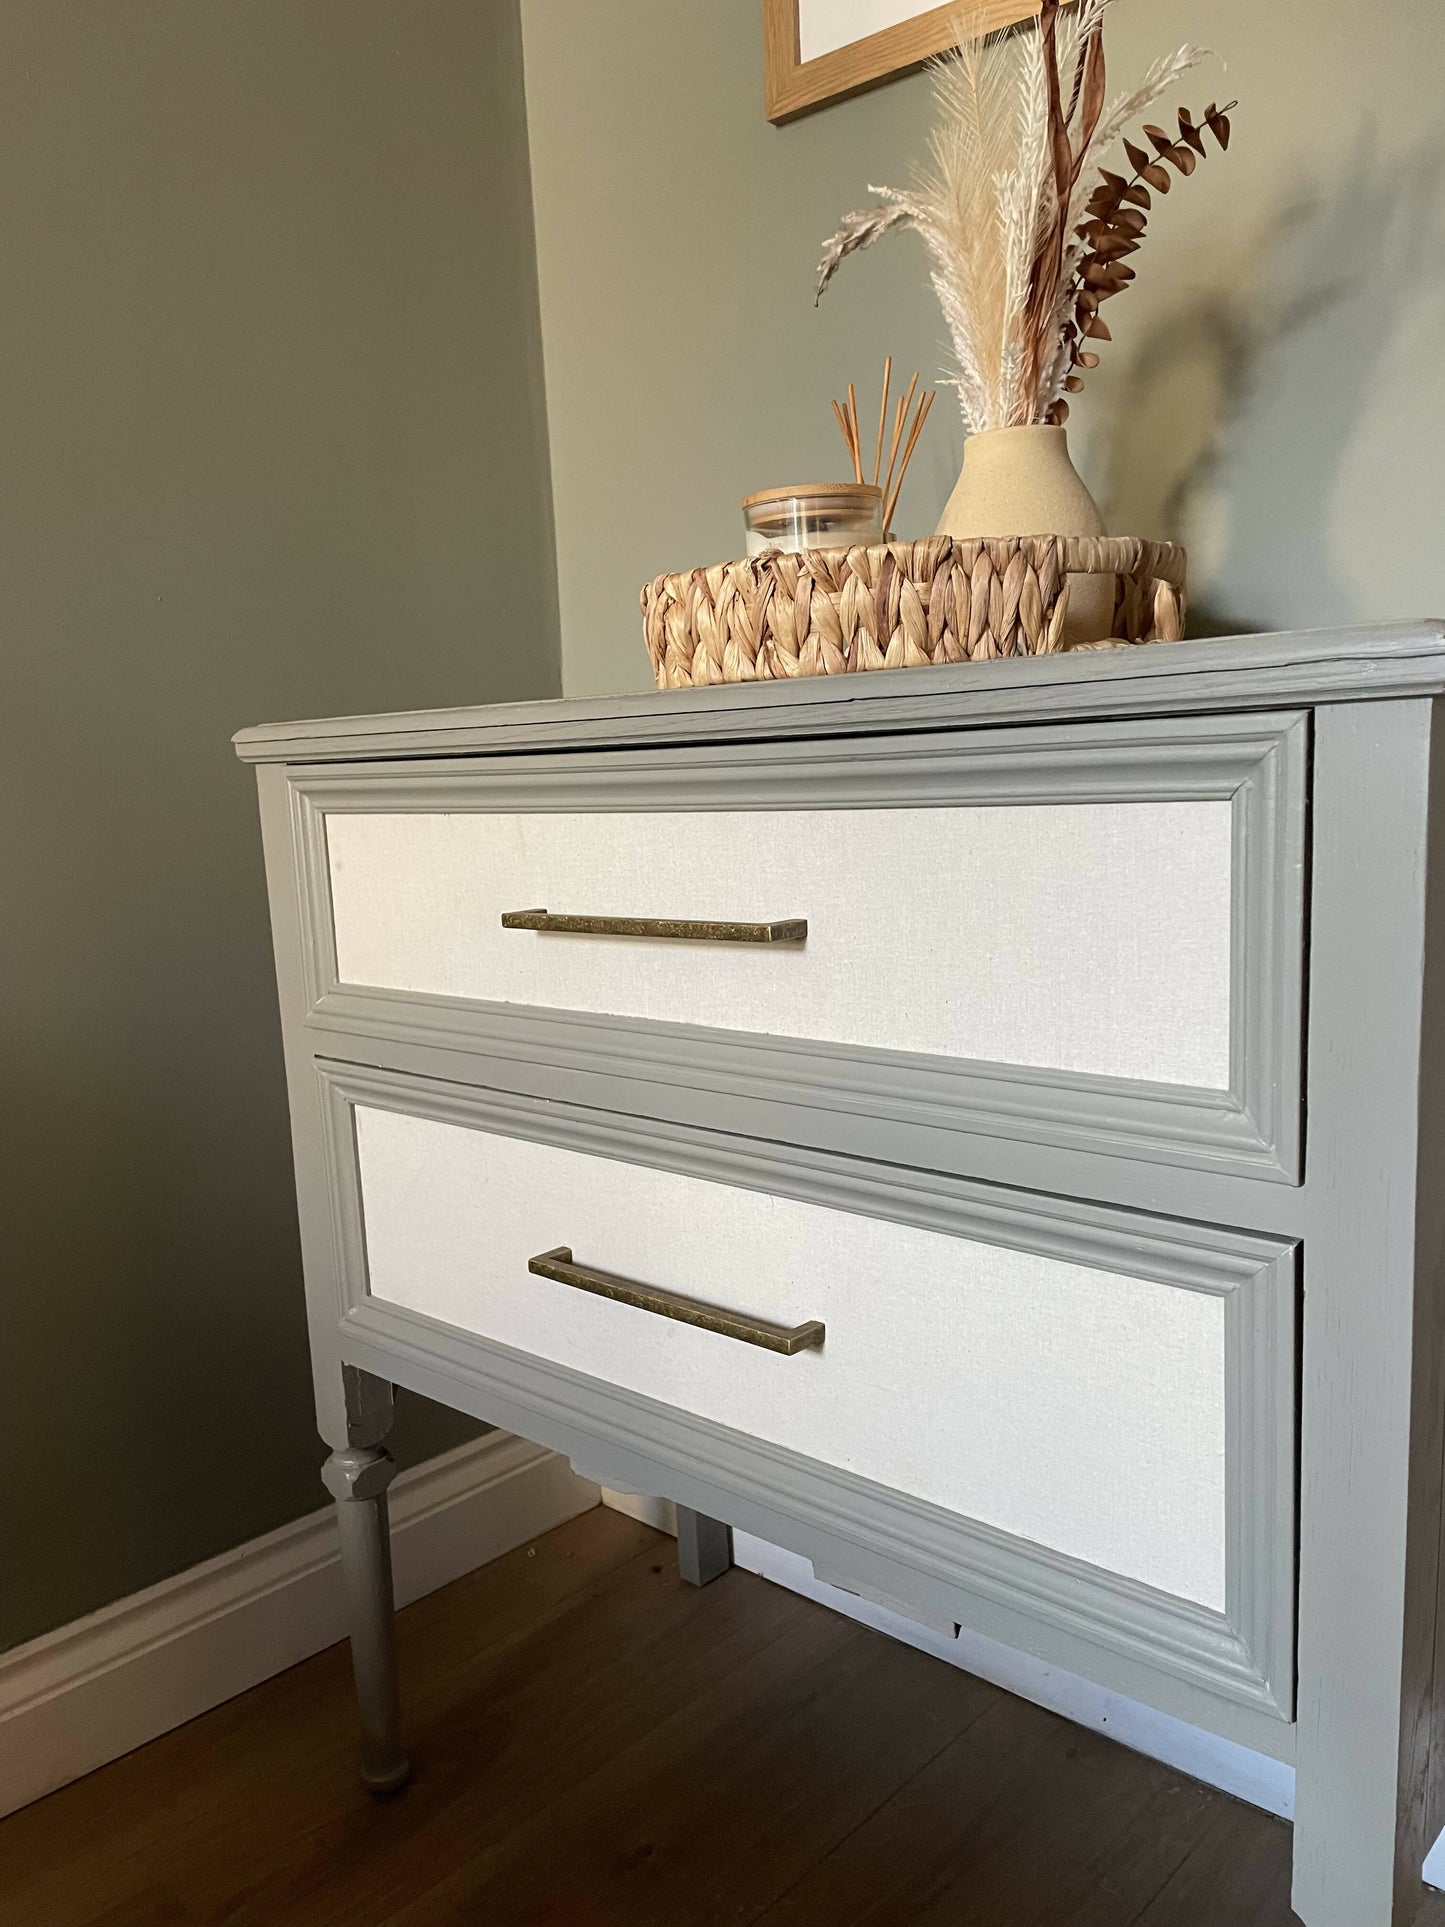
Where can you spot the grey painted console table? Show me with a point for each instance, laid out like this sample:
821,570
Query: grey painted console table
980,1128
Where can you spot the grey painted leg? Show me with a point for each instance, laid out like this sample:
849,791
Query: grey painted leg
704,1547
357,1477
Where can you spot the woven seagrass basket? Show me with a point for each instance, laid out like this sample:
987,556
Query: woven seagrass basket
900,605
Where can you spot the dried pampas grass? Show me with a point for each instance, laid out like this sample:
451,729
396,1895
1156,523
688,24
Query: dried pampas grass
1025,239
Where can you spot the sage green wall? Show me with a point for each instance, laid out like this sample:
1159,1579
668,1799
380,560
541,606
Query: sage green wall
272,444
1274,395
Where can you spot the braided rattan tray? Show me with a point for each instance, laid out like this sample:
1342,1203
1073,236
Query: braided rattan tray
828,612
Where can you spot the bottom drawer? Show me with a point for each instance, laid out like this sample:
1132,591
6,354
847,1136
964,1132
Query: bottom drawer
1077,1406
1067,1425
1105,1394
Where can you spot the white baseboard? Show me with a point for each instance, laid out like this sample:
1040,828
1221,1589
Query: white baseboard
661,1514
95,1689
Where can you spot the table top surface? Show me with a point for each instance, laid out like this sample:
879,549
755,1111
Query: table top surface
1387,660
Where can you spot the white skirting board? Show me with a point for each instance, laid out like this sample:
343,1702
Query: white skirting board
1236,1769
93,1690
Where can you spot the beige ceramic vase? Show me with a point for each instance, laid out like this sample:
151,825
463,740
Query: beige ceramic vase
1020,481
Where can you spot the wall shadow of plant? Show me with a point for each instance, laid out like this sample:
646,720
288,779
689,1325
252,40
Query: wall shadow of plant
1241,406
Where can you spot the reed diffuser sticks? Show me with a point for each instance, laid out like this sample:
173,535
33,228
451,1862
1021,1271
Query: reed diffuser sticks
850,437
905,437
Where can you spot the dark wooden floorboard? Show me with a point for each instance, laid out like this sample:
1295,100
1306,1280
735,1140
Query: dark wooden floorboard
730,1797
565,1713
967,1839
265,1786
598,1745
1235,1872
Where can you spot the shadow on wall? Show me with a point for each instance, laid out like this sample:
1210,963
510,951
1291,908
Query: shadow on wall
1243,405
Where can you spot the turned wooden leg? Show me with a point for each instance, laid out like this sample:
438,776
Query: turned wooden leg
704,1547
357,1477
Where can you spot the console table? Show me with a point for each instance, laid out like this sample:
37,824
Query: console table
980,1128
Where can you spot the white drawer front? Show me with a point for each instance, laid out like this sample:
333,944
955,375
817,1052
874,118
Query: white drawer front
1082,937
1078,1408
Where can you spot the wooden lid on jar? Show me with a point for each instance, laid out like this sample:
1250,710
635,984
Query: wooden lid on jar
863,496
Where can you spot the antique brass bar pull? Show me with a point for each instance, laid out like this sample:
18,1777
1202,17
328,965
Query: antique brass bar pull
788,930
788,1339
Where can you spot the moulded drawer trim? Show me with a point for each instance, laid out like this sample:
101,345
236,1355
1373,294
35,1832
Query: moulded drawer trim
1243,1655
1258,763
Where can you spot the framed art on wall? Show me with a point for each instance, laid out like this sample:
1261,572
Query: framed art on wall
815,51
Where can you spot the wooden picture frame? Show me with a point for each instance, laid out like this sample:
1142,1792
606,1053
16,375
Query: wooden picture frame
794,86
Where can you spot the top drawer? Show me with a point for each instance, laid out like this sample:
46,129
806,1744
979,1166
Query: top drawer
1087,934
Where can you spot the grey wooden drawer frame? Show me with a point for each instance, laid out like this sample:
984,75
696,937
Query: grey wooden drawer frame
1167,1651
894,1105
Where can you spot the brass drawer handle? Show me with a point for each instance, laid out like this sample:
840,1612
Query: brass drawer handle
558,1264
788,930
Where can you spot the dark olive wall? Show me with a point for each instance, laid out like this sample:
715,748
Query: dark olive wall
272,444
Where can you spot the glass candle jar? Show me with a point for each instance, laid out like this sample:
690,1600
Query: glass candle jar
822,515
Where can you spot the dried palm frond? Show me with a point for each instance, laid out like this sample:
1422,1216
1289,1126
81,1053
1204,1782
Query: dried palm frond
1005,206
857,231
1160,77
